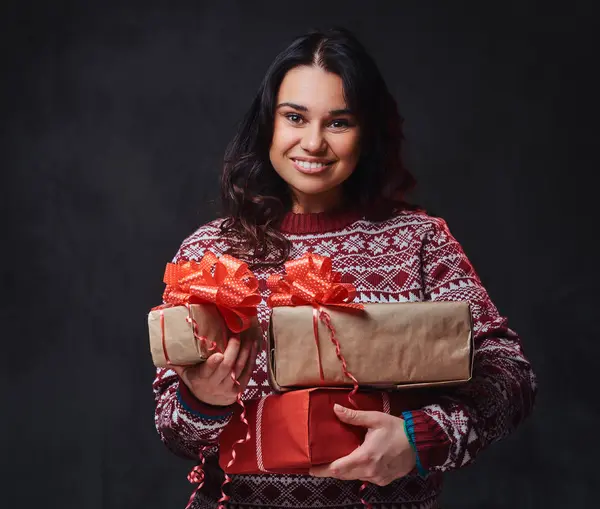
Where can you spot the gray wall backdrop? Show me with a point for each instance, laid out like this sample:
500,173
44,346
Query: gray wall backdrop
114,121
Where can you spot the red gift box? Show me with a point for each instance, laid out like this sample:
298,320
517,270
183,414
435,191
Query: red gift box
293,431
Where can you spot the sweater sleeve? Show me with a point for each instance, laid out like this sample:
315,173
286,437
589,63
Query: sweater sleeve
466,419
184,423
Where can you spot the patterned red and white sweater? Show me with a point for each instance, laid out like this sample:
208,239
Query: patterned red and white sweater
409,257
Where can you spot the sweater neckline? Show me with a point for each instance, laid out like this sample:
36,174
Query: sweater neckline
318,222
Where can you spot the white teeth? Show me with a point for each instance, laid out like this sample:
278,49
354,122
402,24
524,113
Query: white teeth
309,166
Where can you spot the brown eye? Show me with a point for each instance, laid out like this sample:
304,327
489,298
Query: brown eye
294,118
340,124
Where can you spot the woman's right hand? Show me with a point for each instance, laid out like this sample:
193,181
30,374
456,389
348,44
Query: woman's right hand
211,381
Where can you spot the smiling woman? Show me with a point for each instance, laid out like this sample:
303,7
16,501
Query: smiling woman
322,100
316,166
315,148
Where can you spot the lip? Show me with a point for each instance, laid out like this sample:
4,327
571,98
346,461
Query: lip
310,171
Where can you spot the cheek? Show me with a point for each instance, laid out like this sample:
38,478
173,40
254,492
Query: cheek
348,147
284,138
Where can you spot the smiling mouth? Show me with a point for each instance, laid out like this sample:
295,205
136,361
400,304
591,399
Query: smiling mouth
311,167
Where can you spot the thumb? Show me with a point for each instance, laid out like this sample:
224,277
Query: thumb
357,417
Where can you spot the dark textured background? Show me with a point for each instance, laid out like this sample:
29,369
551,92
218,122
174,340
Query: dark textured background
114,121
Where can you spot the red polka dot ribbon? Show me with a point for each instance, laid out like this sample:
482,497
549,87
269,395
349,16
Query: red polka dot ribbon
226,282
311,280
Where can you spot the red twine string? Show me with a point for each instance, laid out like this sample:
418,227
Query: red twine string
197,476
361,491
229,284
162,336
326,319
224,496
310,280
209,347
316,333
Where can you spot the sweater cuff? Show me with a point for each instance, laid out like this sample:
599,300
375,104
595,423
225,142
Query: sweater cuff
428,439
194,406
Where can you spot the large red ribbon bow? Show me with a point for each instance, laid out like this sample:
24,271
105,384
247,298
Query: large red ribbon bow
310,280
226,282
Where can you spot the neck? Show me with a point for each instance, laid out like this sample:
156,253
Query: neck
319,222
316,204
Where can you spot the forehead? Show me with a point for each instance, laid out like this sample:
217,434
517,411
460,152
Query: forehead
320,91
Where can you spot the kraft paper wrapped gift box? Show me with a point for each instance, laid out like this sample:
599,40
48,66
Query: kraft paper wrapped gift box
205,303
396,346
175,338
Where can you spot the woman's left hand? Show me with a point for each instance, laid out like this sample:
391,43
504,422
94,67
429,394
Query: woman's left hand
384,456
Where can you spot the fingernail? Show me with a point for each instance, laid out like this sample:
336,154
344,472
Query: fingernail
339,408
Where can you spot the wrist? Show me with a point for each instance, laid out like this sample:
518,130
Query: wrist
410,435
428,439
190,402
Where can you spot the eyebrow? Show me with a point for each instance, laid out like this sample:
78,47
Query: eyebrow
343,111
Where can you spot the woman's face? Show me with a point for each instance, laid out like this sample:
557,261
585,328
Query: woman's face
315,144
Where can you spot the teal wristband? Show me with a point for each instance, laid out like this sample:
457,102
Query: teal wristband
409,429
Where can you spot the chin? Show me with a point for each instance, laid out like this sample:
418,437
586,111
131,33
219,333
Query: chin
313,189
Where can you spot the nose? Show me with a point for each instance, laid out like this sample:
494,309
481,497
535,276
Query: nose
313,140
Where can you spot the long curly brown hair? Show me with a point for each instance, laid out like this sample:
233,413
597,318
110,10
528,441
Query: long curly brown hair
255,198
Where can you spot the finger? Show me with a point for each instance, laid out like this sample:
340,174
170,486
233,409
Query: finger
328,471
244,378
211,364
227,365
350,467
245,351
249,367
353,466
320,471
367,419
